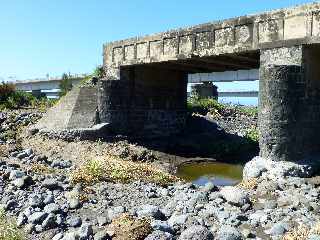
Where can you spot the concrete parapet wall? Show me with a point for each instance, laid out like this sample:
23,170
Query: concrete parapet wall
292,26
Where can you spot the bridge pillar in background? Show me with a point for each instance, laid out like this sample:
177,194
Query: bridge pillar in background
146,101
289,103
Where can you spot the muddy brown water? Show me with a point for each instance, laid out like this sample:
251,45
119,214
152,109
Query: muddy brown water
220,174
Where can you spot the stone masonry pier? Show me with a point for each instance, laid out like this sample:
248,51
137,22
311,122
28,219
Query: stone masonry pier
144,92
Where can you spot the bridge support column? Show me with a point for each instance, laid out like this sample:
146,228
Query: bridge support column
289,103
146,101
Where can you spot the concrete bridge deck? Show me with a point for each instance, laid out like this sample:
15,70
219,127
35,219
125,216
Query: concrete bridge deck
244,35
144,91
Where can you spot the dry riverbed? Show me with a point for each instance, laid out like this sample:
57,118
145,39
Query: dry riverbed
53,189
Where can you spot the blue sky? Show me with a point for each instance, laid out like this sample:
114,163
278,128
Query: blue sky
39,37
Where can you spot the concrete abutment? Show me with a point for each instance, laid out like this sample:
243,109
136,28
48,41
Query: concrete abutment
289,103
146,101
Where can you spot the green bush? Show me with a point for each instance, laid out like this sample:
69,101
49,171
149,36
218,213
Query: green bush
17,99
6,89
252,135
204,105
12,99
98,72
65,84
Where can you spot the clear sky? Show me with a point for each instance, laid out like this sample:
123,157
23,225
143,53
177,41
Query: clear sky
39,37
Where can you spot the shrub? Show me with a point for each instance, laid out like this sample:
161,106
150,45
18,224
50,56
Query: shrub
252,135
6,89
204,105
65,84
17,99
98,72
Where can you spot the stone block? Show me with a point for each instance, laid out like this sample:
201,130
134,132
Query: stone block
117,55
224,37
155,48
271,30
129,52
142,50
203,40
295,27
243,34
186,43
316,24
170,46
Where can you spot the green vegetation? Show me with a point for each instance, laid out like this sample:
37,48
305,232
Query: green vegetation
252,135
12,99
8,229
204,105
115,170
98,73
65,84
249,111
208,105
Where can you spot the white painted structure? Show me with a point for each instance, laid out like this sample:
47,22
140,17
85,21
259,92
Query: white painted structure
229,76
48,86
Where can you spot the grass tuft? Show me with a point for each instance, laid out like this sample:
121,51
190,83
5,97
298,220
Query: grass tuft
8,229
249,184
115,170
299,233
126,227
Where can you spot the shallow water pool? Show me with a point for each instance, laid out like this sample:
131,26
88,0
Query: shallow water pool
221,174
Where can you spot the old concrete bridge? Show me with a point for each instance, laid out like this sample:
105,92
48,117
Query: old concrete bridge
145,86
144,91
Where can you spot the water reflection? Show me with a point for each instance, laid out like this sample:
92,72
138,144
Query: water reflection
220,174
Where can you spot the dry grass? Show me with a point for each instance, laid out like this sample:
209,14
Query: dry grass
9,230
116,170
41,169
249,184
3,151
300,233
316,229
126,227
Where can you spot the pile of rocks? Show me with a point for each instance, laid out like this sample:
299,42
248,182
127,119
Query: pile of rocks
235,121
48,206
11,121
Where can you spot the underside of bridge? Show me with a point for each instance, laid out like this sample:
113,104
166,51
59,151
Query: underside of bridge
144,93
151,99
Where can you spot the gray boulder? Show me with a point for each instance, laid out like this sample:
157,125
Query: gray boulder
37,217
158,235
196,233
229,233
149,211
52,208
235,196
85,231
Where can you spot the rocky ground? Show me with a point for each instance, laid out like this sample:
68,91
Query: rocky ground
40,196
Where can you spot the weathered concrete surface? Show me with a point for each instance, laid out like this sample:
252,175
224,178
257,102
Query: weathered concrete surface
75,110
147,101
289,103
285,27
151,71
